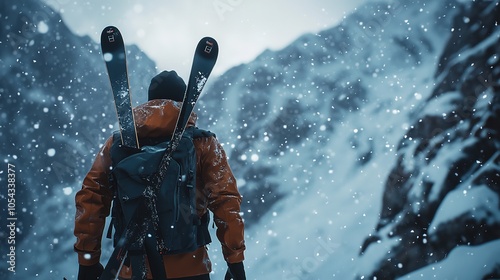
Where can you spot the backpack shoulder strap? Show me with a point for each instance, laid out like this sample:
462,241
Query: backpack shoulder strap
116,137
201,133
119,152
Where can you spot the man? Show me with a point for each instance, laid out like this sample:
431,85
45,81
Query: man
215,183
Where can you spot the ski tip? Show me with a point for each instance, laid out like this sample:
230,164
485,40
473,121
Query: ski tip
208,47
111,39
109,30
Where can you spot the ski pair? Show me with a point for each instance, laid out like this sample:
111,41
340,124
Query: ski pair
113,51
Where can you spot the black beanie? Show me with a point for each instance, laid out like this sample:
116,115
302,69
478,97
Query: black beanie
167,85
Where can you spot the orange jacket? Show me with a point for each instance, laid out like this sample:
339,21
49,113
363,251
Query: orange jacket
216,191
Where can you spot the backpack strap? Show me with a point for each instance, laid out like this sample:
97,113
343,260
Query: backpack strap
201,133
113,186
203,235
118,153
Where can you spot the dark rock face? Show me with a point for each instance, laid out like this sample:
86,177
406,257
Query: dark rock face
441,193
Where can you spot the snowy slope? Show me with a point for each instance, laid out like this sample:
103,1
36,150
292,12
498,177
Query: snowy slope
346,144
367,150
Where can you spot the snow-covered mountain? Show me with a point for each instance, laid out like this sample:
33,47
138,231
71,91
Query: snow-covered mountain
369,150
56,109
441,197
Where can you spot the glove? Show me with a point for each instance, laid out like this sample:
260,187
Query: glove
235,271
92,272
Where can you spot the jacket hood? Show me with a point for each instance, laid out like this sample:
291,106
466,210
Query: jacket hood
157,118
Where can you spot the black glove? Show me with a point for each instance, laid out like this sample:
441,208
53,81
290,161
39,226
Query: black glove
235,271
92,272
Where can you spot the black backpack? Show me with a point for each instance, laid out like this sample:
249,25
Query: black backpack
180,227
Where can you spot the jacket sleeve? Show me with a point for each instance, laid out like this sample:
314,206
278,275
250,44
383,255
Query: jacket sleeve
219,187
93,204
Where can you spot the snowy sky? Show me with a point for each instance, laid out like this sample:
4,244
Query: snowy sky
169,30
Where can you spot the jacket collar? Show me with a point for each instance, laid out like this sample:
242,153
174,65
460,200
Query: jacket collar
157,118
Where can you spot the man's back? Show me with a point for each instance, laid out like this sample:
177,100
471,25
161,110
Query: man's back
216,190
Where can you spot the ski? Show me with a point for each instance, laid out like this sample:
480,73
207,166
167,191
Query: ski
205,57
204,60
113,51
